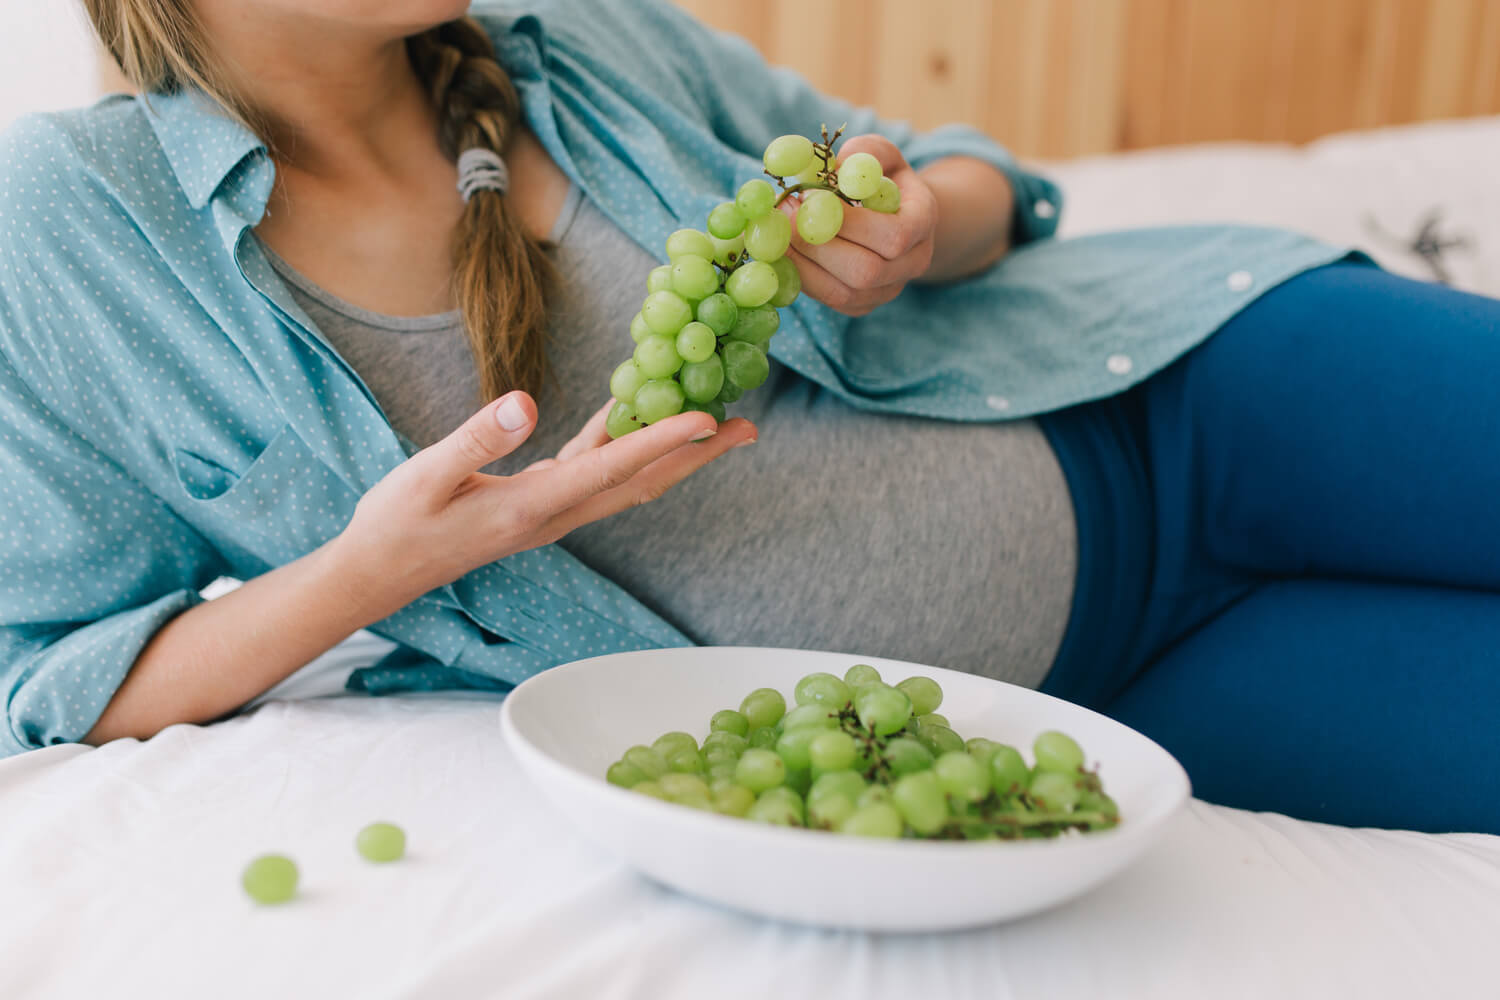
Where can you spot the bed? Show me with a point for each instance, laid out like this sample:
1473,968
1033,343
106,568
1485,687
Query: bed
119,865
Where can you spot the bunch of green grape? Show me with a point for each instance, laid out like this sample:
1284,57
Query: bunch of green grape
858,756
709,313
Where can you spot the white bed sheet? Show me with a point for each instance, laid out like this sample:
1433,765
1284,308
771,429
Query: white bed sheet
119,866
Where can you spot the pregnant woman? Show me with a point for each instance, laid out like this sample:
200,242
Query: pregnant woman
1231,486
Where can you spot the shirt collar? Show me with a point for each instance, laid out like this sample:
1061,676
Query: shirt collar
202,142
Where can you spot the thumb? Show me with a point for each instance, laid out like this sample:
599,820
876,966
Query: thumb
878,146
494,432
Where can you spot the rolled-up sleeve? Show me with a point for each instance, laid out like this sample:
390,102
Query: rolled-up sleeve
91,566
750,102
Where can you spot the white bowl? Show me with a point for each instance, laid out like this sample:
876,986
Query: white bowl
568,724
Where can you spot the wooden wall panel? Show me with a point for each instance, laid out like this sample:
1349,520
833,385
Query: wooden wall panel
1061,78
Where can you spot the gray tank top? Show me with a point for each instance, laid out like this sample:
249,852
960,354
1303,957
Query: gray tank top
947,544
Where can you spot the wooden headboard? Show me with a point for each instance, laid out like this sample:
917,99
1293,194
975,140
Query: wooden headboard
1059,78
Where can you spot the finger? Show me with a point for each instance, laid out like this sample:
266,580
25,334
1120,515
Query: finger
858,266
592,436
893,236
550,491
545,463
494,432
829,290
878,146
651,482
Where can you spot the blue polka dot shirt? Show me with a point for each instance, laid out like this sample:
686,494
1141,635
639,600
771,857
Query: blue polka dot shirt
168,414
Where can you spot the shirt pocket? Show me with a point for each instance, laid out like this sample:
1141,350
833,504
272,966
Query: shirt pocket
284,503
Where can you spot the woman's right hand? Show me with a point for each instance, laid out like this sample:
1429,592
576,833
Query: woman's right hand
435,516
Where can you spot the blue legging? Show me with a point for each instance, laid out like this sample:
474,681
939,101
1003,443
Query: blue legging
1289,566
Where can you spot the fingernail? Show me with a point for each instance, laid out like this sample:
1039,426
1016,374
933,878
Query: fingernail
747,441
511,414
703,435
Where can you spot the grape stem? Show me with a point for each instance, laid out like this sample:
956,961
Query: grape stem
828,180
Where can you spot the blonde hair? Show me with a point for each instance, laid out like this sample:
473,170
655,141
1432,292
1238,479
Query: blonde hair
501,275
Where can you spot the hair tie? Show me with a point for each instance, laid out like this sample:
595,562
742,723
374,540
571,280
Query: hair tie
481,169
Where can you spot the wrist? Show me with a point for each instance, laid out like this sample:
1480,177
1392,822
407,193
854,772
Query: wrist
975,213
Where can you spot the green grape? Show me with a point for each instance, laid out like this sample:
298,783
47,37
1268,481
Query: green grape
729,721
788,282
750,285
694,278
886,199
733,800
764,737
815,716
689,243
730,393
652,764
925,694
658,399
726,251
270,878
933,719
676,741
904,755
745,364
760,769
768,237
819,217
799,780
859,176
822,689
621,420
920,800
718,758
679,786
861,673
639,331
1055,751
1008,770
878,819
763,707
830,811
652,789
756,326
962,777
775,811
755,198
721,740
874,794
831,750
686,762
794,747
719,313
624,774
696,342
837,783
1053,791
713,408
702,380
627,380
981,749
881,708
657,358
788,155
940,739
726,221
666,313
1100,803
660,279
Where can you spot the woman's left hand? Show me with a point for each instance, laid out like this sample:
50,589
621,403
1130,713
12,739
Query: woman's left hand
874,255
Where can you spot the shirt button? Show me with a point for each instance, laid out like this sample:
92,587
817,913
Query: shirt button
1119,364
1240,281
997,402
1043,208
